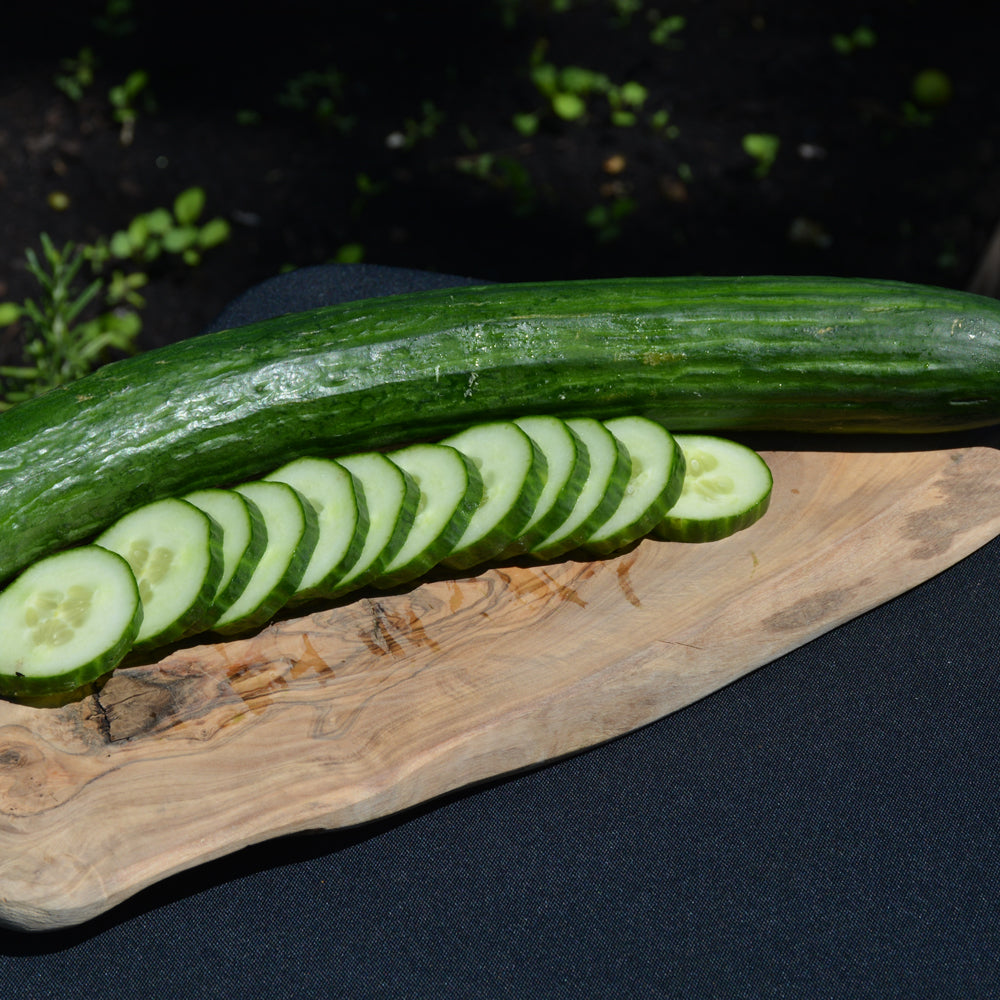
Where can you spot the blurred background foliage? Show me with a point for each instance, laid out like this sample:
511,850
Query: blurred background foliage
505,140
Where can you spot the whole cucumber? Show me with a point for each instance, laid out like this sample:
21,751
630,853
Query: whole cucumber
698,354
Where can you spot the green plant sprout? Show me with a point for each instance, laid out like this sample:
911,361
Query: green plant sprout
60,345
125,99
77,74
503,173
117,20
321,94
606,218
151,234
70,329
763,147
861,37
569,90
666,29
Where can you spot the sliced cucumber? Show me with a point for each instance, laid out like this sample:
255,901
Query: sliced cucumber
244,538
607,478
513,471
67,620
343,520
175,551
292,530
450,490
727,487
391,498
567,466
655,482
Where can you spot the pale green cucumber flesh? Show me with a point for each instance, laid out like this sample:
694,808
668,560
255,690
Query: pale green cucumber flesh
727,487
513,471
66,621
607,477
244,538
343,520
175,551
391,498
567,466
292,530
655,482
450,490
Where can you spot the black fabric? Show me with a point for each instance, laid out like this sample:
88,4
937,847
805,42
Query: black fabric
825,827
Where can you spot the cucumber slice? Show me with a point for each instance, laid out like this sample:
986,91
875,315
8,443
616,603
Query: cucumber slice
292,530
567,467
244,538
67,620
513,471
655,483
391,499
450,490
607,478
343,520
727,487
175,551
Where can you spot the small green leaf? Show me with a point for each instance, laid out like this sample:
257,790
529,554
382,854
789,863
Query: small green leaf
180,239
138,232
569,106
213,233
10,312
121,245
158,221
526,123
763,147
188,205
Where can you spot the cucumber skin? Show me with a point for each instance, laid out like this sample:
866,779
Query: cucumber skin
766,353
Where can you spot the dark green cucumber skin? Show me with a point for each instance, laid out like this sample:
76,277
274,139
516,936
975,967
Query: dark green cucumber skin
770,353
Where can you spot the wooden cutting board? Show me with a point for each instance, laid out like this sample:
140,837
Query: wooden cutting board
354,712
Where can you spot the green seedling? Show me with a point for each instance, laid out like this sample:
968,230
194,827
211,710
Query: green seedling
763,147
665,30
319,93
126,99
60,344
72,324
160,231
503,173
117,21
847,44
607,218
76,74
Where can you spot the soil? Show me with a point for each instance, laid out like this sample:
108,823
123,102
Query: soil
402,148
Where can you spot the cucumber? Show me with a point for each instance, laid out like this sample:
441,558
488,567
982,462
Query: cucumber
391,498
608,476
244,538
513,472
175,551
450,491
292,531
567,464
698,354
727,487
656,477
66,621
343,521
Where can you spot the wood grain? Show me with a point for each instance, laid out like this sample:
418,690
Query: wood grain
354,712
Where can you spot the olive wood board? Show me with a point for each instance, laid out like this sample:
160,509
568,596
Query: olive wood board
354,712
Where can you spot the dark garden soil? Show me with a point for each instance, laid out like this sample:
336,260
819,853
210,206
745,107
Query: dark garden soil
385,131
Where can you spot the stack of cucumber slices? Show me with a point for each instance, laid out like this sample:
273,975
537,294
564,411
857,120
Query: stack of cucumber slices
228,560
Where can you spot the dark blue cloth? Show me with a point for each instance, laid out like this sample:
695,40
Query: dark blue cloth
826,827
